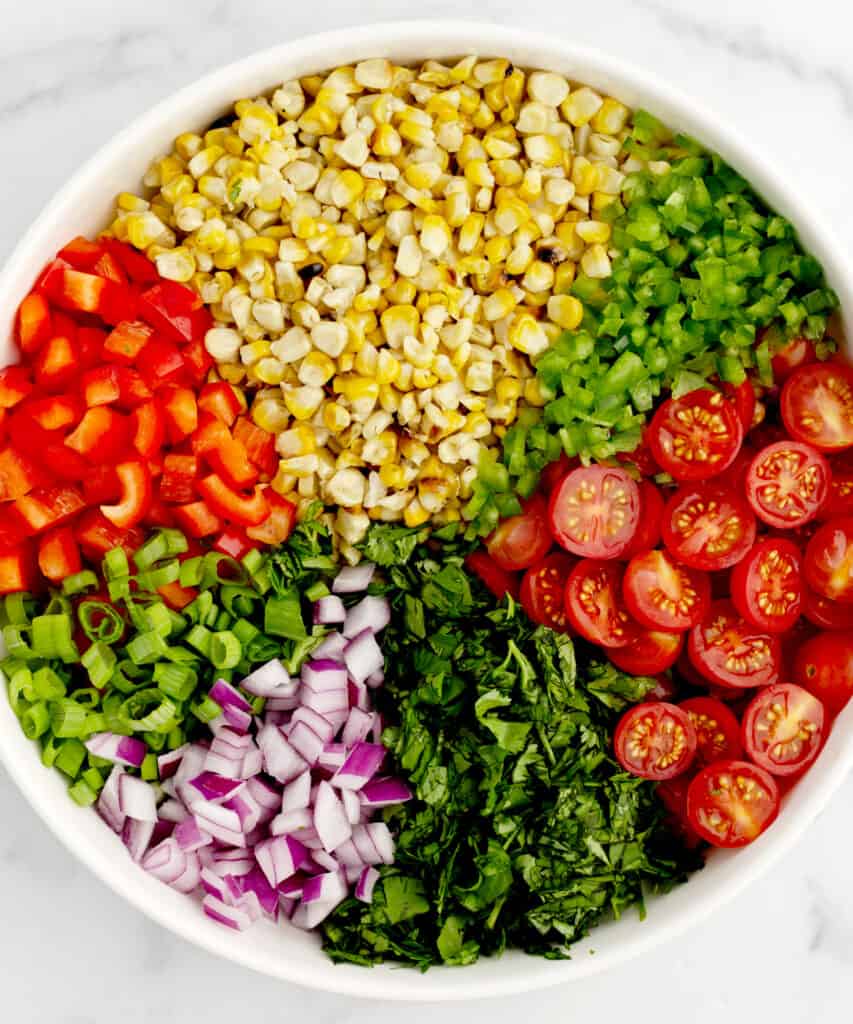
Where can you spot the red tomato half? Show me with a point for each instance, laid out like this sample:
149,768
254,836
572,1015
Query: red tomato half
594,511
829,561
661,594
796,352
543,591
742,397
717,729
521,540
826,613
783,728
655,741
708,527
766,585
594,603
729,651
817,405
839,499
648,652
730,803
824,666
672,793
787,483
696,436
554,472
647,534
497,580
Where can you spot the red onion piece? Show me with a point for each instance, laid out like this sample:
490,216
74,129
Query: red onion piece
166,861
109,805
126,750
167,764
280,857
353,578
137,799
280,759
329,610
323,675
297,794
330,819
384,792
190,837
231,917
363,656
357,726
271,679
215,788
360,766
352,806
366,883
331,648
373,613
316,722
226,695
136,835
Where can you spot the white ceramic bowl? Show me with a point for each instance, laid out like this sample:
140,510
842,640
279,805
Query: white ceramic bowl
83,206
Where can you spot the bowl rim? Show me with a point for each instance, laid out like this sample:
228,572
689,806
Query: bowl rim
439,38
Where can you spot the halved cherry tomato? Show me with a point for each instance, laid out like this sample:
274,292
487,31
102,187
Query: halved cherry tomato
177,484
708,527
696,436
497,580
543,591
58,554
554,472
278,525
673,795
787,483
649,652
135,479
742,397
49,506
594,511
594,604
783,728
717,729
824,666
839,499
817,406
730,803
793,354
826,613
647,534
655,740
520,541
660,594
221,400
33,326
766,585
197,519
729,651
829,560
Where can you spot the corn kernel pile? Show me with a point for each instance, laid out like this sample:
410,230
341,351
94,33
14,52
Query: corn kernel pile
384,251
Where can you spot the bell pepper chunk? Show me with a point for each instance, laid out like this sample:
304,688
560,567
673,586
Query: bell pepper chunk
135,479
56,364
59,554
90,347
18,475
169,308
107,266
96,535
197,519
221,400
159,513
259,443
13,529
81,292
247,510
15,385
103,435
234,542
101,486
137,266
34,323
148,428
180,411
229,458
81,253
126,340
17,570
162,363
177,484
196,357
176,596
56,413
49,506
278,525
47,448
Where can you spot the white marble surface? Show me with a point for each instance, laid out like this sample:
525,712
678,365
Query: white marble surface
72,72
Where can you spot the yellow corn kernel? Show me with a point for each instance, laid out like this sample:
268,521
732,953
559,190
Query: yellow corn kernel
269,370
479,174
264,246
316,369
499,304
299,440
337,249
417,134
566,311
470,232
519,259
610,118
392,476
398,321
144,229
533,393
435,235
270,414
367,361
335,417
303,402
580,106
233,373
497,249
508,389
564,276
593,231
584,176
415,514
423,378
176,264
319,119
356,388
131,203
387,367
526,335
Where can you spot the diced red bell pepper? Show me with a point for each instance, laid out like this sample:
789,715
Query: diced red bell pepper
13,530
49,506
81,253
15,385
169,308
126,340
103,435
50,278
213,441
58,554
87,293
46,447
148,428
108,267
135,479
17,570
159,513
197,359
259,443
90,347
34,324
247,510
96,535
177,485
4,426
18,475
56,413
278,525
181,412
161,362
56,364
221,400
105,385
137,266
101,485
197,519
234,542
176,596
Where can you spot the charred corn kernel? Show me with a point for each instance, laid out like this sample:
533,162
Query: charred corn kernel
303,402
298,440
335,417
566,311
316,369
270,415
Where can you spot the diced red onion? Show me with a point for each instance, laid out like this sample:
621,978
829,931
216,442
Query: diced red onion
329,610
126,750
373,613
136,835
215,788
231,917
330,819
247,809
297,794
192,763
316,722
237,718
348,855
162,830
380,836
306,742
325,860
376,728
137,798
324,888
376,679
352,806
190,837
271,679
255,882
366,883
363,656
226,695
384,792
213,884
231,861
357,726
332,756
331,648
191,878
328,703
173,810
353,578
291,821
166,861
167,764
109,805
364,845
358,695
361,765
280,759
337,717
280,857
253,764
266,795
323,675
287,703
220,822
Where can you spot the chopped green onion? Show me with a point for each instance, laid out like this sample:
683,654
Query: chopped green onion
99,661
146,647
199,637
206,709
149,711
283,616
79,583
225,649
176,681
70,758
191,571
82,793
47,684
18,608
35,721
52,638
100,621
115,564
68,718
164,544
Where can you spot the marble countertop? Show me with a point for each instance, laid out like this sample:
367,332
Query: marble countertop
71,75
